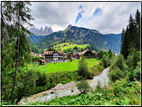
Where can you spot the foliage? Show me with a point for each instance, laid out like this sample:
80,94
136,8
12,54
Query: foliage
47,81
105,61
83,69
51,49
118,69
97,69
69,57
14,37
26,84
133,59
36,59
137,72
83,86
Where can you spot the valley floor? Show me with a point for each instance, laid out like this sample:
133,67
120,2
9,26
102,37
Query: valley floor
62,66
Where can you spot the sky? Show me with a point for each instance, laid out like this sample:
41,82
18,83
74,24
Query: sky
106,17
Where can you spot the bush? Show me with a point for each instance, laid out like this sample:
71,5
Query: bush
137,72
83,69
69,57
26,84
47,81
84,86
42,78
133,59
97,69
118,69
105,61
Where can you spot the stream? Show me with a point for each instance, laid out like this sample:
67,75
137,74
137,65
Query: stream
65,89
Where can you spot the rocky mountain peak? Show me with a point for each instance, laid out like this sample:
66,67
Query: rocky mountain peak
42,31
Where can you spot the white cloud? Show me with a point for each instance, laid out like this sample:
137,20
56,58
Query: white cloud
59,15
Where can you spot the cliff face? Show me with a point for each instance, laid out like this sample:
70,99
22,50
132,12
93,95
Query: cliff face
41,31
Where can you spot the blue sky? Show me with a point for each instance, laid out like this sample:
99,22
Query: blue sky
97,12
107,17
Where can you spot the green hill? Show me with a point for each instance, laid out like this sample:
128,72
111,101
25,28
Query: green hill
70,47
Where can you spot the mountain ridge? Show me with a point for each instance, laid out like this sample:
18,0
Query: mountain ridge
83,35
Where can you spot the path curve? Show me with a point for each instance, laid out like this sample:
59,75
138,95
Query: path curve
102,78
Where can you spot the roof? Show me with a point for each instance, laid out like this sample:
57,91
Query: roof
51,52
80,53
84,52
42,60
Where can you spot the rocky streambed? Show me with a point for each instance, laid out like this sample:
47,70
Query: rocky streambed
65,89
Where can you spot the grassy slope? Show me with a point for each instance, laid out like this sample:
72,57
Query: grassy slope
66,46
62,66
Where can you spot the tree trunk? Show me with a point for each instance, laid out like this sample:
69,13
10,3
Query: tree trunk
18,44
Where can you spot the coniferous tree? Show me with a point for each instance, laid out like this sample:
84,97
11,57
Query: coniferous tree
131,37
14,16
137,33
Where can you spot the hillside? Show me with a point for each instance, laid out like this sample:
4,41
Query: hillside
71,47
36,38
84,36
33,47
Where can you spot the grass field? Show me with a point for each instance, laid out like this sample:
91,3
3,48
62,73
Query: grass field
61,66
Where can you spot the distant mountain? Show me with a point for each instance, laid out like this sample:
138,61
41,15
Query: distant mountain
80,35
41,31
36,38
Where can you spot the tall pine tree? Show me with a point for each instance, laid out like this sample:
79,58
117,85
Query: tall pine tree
131,37
14,16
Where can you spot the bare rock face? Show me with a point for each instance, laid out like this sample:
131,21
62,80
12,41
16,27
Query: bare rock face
42,31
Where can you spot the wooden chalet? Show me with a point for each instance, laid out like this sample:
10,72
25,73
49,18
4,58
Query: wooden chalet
53,55
86,53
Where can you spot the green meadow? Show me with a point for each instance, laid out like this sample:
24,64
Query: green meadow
68,46
61,66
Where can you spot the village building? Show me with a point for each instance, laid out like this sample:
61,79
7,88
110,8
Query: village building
96,54
86,53
53,55
36,54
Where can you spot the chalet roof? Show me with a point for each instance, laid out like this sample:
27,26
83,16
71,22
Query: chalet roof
51,52
80,53
84,52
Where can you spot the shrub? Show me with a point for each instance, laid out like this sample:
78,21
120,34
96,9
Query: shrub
105,61
137,72
97,69
84,86
42,78
83,69
69,57
118,69
133,59
26,84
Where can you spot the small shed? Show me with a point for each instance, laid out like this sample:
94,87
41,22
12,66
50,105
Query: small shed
41,62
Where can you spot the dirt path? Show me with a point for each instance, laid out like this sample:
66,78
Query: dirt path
102,78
